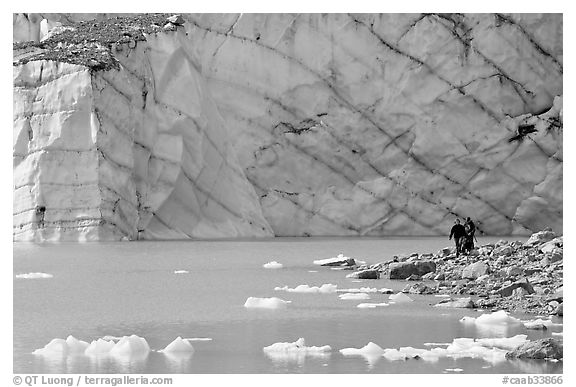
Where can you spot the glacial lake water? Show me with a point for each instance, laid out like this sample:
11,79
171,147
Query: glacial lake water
117,289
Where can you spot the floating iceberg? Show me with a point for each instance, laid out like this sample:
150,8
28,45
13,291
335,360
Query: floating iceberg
266,303
539,324
63,347
34,275
325,288
179,345
404,353
295,352
99,347
297,346
273,265
130,345
454,369
127,346
499,318
433,344
368,305
508,343
181,272
492,350
400,297
112,338
368,349
371,352
354,296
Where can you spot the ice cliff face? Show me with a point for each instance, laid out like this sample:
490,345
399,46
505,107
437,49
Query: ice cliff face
259,125
137,153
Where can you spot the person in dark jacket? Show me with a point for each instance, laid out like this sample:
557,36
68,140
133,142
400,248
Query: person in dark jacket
459,233
470,228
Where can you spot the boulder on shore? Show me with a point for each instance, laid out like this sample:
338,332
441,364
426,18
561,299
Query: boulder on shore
475,270
403,270
365,274
548,348
540,237
559,310
340,260
506,291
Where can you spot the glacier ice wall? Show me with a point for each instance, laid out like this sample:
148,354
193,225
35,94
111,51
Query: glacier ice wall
140,153
298,124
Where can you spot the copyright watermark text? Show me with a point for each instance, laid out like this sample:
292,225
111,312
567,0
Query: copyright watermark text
538,379
85,380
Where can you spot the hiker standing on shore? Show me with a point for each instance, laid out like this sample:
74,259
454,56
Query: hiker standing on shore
470,230
459,233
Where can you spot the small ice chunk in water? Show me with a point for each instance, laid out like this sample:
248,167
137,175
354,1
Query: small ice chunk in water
34,275
558,334
63,347
539,324
273,265
368,349
297,346
371,352
266,303
130,345
455,369
400,297
181,272
179,345
76,346
394,354
354,296
112,338
368,305
492,350
325,288
497,318
54,347
99,347
509,343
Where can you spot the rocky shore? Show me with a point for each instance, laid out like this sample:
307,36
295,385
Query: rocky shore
512,276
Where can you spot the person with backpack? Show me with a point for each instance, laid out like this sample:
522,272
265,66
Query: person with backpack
459,233
470,228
